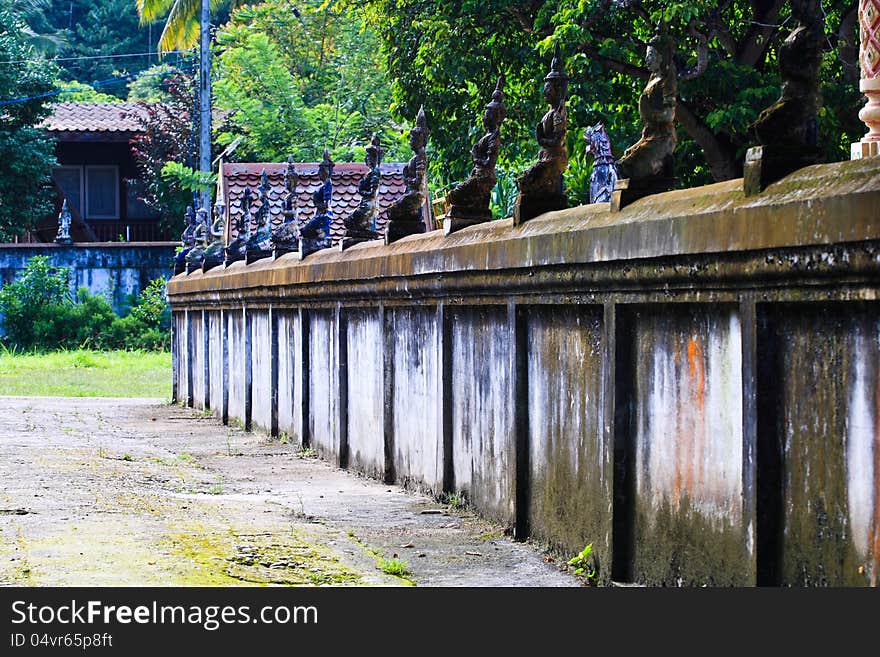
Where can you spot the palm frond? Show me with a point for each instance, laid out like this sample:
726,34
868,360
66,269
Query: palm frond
150,11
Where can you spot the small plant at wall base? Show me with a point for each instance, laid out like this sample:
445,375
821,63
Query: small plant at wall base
584,564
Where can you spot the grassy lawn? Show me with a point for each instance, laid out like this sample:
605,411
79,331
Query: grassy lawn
86,374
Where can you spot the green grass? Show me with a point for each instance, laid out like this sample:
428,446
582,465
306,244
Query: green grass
86,374
395,567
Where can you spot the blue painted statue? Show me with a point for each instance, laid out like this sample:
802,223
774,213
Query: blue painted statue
187,239
315,235
604,175
260,243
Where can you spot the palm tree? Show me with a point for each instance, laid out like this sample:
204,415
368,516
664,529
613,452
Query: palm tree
35,30
182,23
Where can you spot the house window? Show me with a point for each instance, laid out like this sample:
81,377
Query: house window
102,192
70,181
135,207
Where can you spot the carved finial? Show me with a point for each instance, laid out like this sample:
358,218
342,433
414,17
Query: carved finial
418,136
496,105
291,179
374,152
264,184
325,168
557,66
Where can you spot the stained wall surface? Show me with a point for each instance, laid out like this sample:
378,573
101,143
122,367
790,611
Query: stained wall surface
689,385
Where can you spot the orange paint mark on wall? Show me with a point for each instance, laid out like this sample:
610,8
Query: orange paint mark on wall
695,443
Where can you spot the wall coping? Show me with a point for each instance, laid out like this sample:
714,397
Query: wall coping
817,205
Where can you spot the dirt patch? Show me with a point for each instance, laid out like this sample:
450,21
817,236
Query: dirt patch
134,492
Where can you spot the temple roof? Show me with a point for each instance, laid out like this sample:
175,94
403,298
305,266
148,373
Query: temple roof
345,179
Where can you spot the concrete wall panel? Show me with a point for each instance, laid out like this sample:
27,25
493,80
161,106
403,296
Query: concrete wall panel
365,417
483,441
289,376
324,383
571,474
215,361
418,439
820,382
261,362
689,446
236,344
197,352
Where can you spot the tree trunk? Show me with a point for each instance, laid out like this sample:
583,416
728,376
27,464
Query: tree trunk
722,162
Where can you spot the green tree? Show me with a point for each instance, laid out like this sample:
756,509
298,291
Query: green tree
26,152
109,27
447,53
295,82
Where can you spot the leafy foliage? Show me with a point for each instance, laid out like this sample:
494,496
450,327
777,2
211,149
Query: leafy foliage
168,137
26,153
296,82
39,313
78,92
446,55
83,32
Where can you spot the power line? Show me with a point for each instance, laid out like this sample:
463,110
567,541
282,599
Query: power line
100,83
74,59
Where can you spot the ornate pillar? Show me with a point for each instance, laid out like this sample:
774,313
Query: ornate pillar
869,59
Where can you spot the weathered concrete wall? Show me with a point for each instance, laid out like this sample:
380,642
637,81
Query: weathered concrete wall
114,270
216,367
690,384
261,364
365,417
290,376
324,389
820,367
416,434
198,354
481,386
688,444
238,359
571,456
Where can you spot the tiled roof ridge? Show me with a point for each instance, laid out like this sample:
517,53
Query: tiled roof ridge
81,116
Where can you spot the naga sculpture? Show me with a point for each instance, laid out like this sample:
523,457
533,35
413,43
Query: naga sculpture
647,166
787,131
360,226
196,255
285,238
187,239
315,235
260,243
604,175
469,201
237,248
405,214
217,238
541,186
63,234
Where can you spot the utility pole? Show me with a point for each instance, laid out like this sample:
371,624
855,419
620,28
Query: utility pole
205,98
